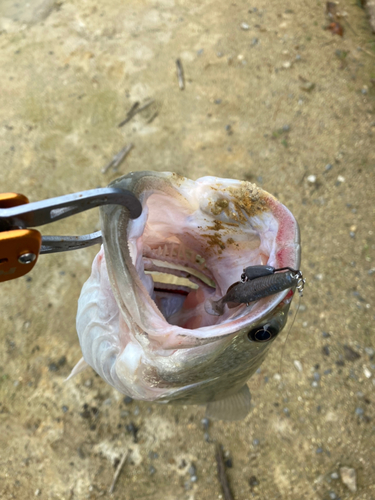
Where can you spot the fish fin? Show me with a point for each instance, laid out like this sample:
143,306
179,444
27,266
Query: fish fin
79,367
214,307
234,407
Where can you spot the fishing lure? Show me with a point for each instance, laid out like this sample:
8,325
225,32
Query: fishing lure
256,283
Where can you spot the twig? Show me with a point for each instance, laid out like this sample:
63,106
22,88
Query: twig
144,106
129,115
117,472
134,110
150,120
221,473
180,74
118,158
366,52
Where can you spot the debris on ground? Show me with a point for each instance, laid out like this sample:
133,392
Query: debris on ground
349,478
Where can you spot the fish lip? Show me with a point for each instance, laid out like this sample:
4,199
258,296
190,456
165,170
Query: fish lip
150,321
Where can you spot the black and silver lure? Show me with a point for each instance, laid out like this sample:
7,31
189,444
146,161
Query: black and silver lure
256,283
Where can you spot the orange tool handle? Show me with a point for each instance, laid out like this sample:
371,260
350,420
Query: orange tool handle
19,248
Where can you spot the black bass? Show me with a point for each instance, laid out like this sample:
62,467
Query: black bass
144,318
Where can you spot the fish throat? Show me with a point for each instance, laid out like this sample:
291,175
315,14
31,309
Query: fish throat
186,253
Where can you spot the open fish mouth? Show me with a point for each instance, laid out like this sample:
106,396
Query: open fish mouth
190,244
143,320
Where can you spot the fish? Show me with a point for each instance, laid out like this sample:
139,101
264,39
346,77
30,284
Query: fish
144,321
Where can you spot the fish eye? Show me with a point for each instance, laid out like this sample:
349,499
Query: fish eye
262,333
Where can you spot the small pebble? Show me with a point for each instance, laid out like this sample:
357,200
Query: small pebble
367,372
244,26
319,450
287,65
229,463
340,178
307,86
254,41
359,411
286,128
332,495
127,400
192,470
253,481
325,350
298,365
364,90
316,376
350,354
37,492
107,402
328,371
205,423
151,470
255,442
334,475
217,101
64,408
328,167
314,384
369,351
325,335
53,367
349,478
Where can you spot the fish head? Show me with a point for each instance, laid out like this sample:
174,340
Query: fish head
142,321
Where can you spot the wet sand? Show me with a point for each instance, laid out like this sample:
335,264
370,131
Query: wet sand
270,96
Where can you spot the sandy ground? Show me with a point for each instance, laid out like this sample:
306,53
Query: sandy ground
275,101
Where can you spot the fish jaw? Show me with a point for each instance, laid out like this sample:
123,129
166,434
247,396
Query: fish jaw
156,345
